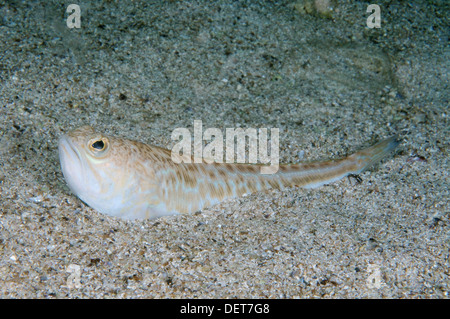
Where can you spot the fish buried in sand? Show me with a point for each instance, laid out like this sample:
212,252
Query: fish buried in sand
129,179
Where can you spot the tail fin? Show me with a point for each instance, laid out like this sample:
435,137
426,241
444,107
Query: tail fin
310,175
369,156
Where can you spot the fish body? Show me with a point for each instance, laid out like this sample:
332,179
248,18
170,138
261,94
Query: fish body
133,180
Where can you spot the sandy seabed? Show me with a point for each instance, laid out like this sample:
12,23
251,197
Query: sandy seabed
313,69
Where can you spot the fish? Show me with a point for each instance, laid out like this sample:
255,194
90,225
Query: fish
133,180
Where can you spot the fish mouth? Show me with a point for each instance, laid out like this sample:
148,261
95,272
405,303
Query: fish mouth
72,164
67,150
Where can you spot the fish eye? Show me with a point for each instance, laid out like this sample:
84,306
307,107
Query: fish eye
98,144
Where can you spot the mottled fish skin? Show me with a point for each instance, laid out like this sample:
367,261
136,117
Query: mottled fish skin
131,180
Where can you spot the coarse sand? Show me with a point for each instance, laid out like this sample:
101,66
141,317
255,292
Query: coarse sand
313,69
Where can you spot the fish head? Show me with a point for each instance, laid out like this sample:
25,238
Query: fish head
97,169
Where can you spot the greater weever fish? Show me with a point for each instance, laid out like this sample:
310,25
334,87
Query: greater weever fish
129,179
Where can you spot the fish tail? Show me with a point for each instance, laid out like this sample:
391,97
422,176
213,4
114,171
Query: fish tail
372,155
